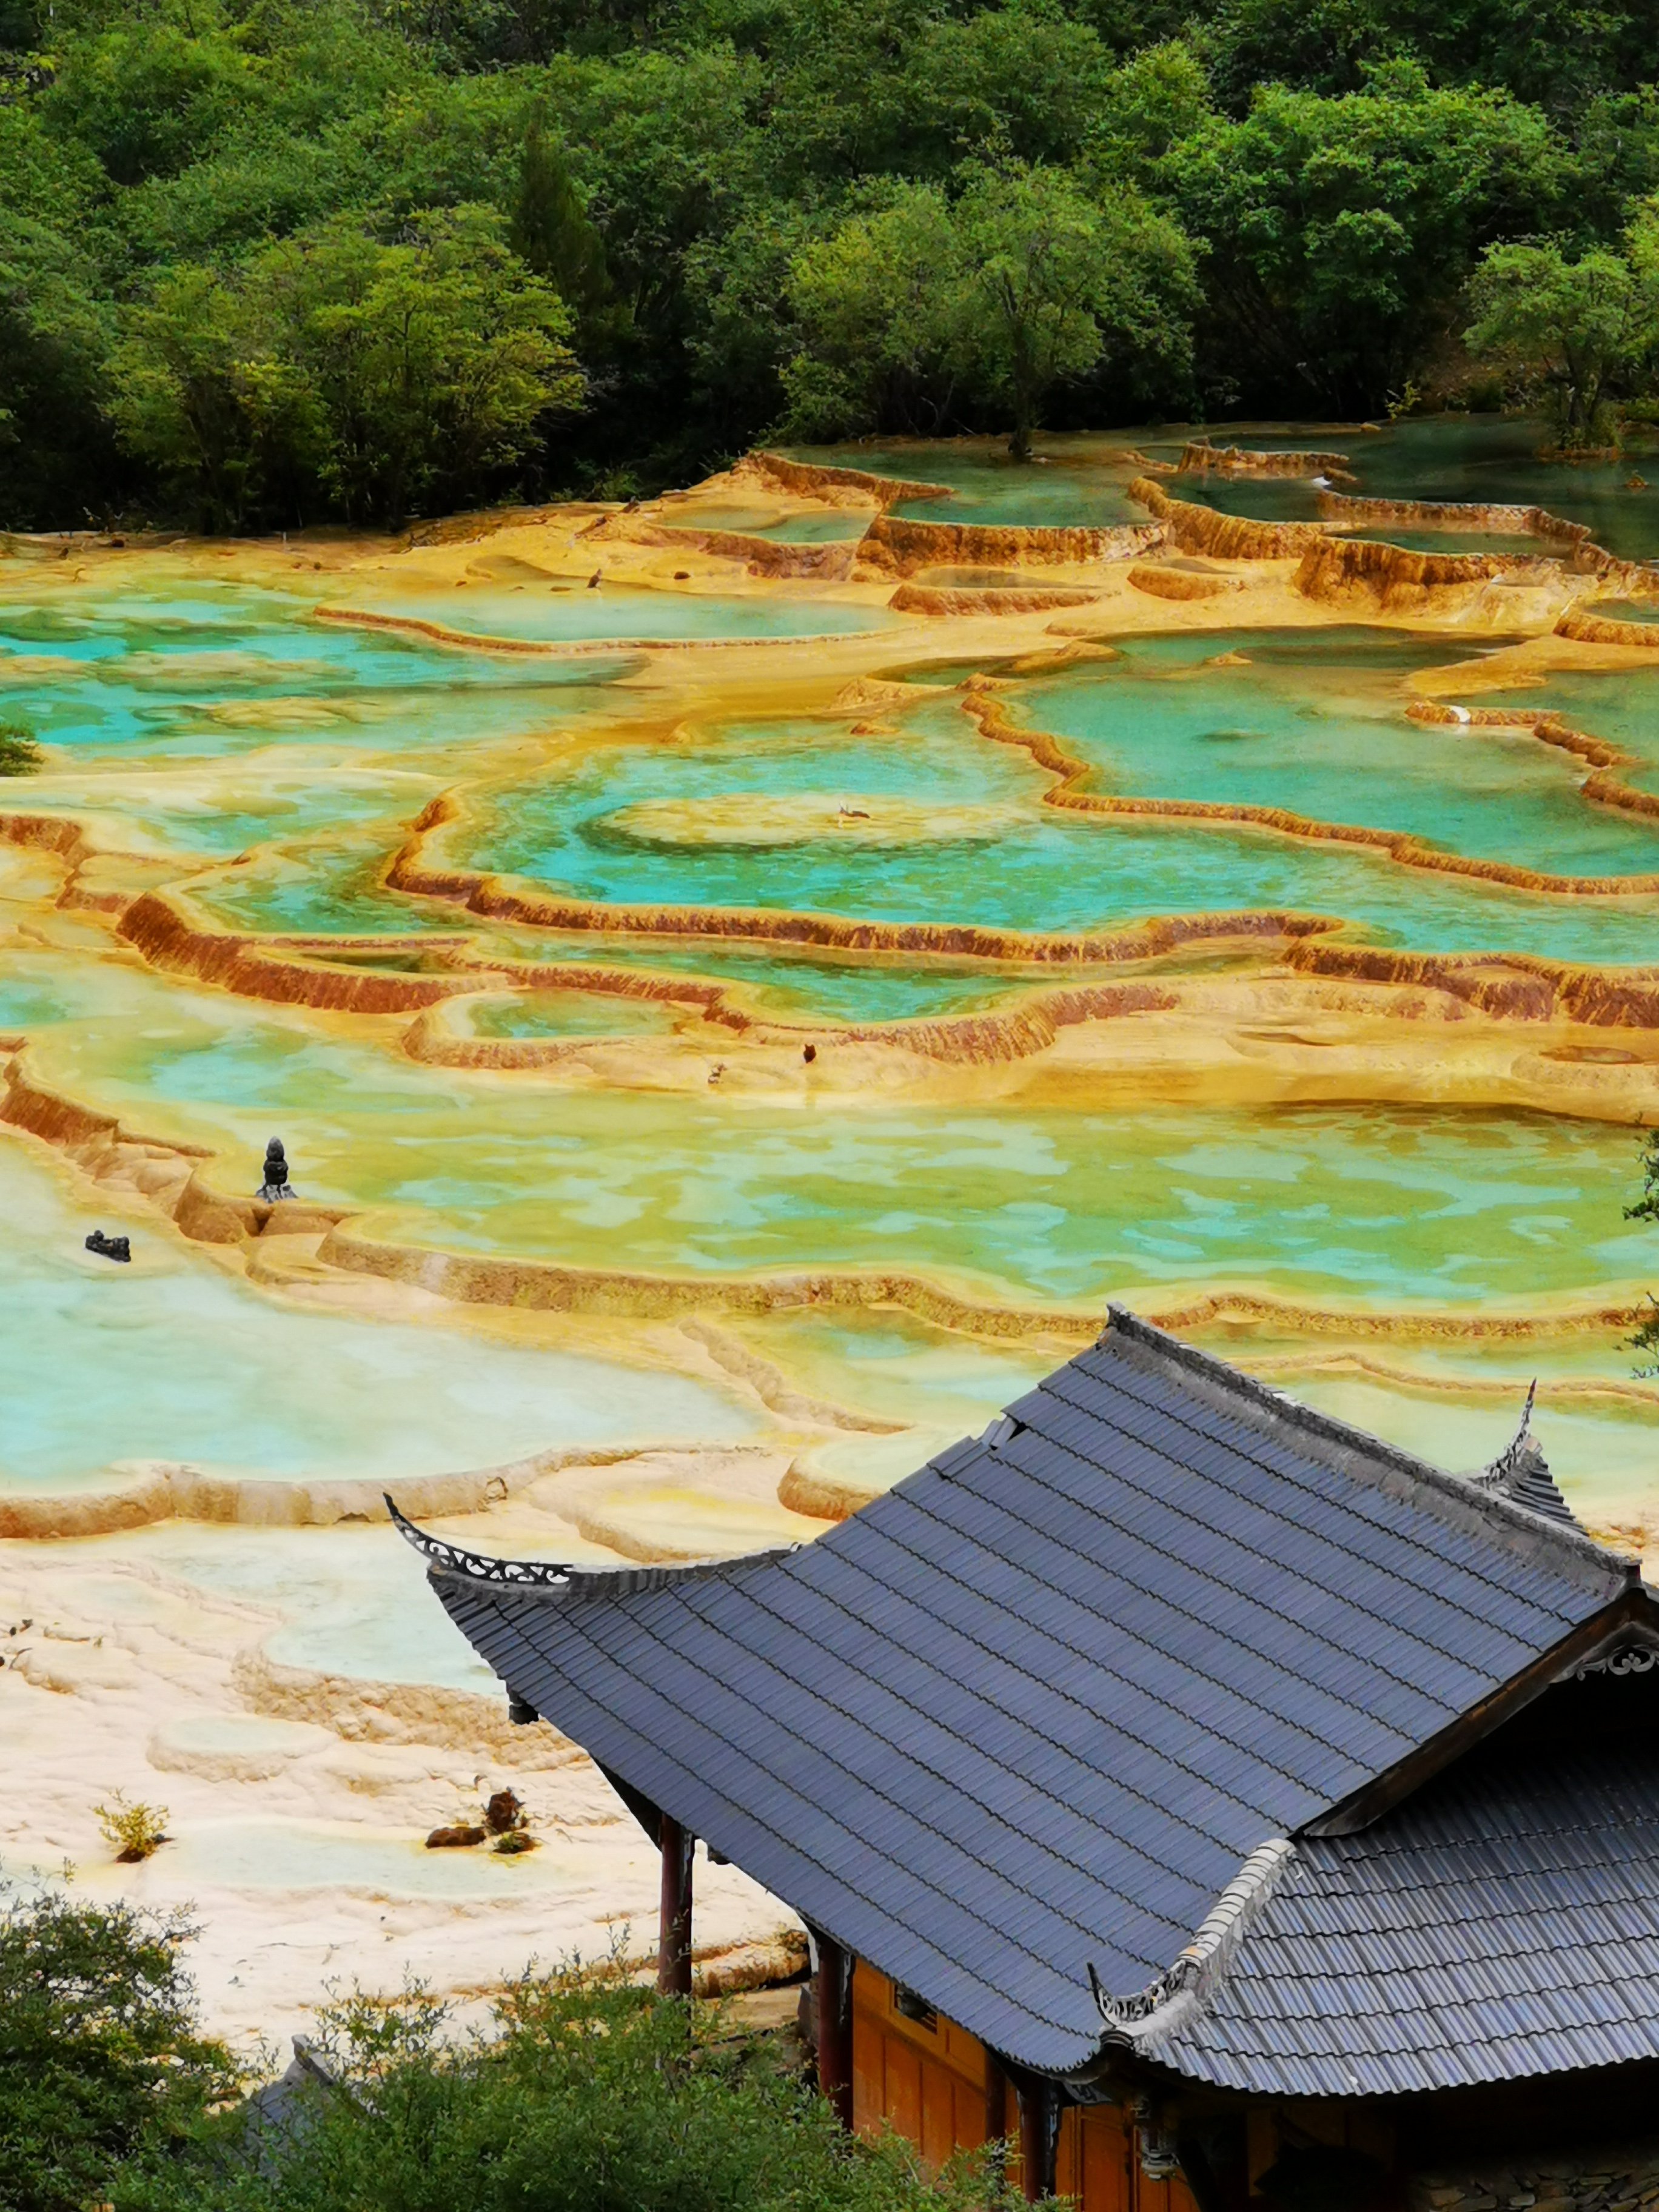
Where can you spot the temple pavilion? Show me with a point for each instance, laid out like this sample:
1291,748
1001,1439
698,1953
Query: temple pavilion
1173,1779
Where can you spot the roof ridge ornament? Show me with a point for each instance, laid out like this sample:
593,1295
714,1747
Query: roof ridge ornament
1533,1522
1148,2014
1522,1474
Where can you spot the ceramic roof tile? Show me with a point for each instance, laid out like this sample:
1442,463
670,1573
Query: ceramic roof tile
1029,1711
1504,1923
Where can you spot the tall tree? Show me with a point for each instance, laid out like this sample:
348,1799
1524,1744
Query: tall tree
1581,325
1020,282
549,231
1052,282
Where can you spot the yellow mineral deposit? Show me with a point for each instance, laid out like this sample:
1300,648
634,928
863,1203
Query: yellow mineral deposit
731,1029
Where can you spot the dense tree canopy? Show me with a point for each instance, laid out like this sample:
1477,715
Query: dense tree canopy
644,232
1000,288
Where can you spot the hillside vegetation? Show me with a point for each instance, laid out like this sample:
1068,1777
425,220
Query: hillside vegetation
268,262
584,2092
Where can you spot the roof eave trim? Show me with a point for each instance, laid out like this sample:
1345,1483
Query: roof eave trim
560,1580
1631,1609
1476,1511
1166,2005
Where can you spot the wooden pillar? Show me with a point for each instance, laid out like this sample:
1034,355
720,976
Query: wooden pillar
674,1915
835,2013
1039,2135
996,2121
996,2097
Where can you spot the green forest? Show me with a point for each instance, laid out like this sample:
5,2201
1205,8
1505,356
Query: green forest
272,263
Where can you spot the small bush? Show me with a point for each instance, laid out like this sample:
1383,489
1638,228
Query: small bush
20,752
132,1831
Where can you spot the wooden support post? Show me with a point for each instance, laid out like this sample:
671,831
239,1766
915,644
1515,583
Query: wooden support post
1039,2135
834,2013
674,1919
996,2121
996,2097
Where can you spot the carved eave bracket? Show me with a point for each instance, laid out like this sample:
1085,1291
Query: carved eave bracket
1148,2015
1632,1648
444,1558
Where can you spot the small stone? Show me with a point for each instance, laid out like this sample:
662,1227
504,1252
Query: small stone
453,1839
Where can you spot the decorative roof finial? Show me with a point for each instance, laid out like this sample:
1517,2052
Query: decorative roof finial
1522,1474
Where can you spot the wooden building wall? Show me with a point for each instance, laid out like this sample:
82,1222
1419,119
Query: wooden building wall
927,2081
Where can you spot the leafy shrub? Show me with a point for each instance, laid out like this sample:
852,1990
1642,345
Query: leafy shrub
100,2057
132,1831
19,754
588,2094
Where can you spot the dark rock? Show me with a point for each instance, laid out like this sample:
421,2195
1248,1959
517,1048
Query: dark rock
275,1184
504,1812
110,1248
453,1839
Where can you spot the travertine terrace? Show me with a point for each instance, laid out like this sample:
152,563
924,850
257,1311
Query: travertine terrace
741,980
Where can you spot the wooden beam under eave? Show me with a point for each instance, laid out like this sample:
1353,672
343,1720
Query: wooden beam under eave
1385,1790
674,1912
833,1996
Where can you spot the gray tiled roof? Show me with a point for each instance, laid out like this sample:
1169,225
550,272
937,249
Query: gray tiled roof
1503,1923
1030,1710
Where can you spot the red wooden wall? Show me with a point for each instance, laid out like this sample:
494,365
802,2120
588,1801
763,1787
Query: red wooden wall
928,2083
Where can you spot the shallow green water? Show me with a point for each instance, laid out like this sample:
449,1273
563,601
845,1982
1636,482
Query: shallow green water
1326,1202
1315,724
1369,1203
1455,541
1485,459
568,1013
169,1358
227,669
331,888
1328,739
1622,704
817,526
1074,481
793,985
623,612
